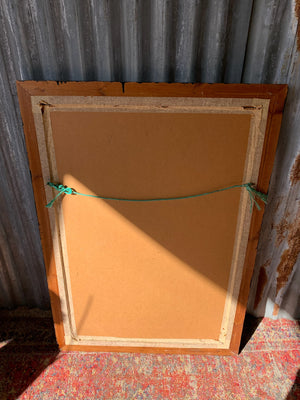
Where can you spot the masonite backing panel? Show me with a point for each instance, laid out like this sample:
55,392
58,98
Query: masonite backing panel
150,154
172,258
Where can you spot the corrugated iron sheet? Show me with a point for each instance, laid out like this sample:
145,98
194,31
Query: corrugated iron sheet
227,41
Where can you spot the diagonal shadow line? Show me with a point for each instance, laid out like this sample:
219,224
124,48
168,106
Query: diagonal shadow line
85,313
31,348
294,393
173,226
171,218
250,326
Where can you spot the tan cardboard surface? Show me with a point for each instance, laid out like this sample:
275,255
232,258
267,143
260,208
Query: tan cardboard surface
150,270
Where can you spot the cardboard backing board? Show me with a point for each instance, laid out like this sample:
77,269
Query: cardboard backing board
168,276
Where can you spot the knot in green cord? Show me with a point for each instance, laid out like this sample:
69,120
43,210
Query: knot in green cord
64,189
255,193
61,190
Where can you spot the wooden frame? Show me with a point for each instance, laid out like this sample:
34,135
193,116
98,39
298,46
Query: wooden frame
274,95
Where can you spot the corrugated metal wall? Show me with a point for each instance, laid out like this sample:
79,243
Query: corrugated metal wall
227,41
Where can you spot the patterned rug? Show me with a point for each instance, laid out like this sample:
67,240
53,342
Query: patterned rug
31,367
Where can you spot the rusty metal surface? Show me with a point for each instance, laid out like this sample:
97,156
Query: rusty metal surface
275,285
227,41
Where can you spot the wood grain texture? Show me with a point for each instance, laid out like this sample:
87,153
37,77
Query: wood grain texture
277,101
40,199
260,91
147,350
276,94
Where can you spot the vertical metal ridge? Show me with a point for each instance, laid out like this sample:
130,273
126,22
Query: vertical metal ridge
102,40
130,40
160,67
187,31
236,44
270,43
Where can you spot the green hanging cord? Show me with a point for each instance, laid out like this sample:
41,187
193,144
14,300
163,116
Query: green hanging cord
249,186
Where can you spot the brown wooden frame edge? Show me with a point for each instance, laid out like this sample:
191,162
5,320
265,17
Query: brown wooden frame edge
27,89
149,350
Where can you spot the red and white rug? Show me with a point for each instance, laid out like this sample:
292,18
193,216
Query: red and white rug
32,368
